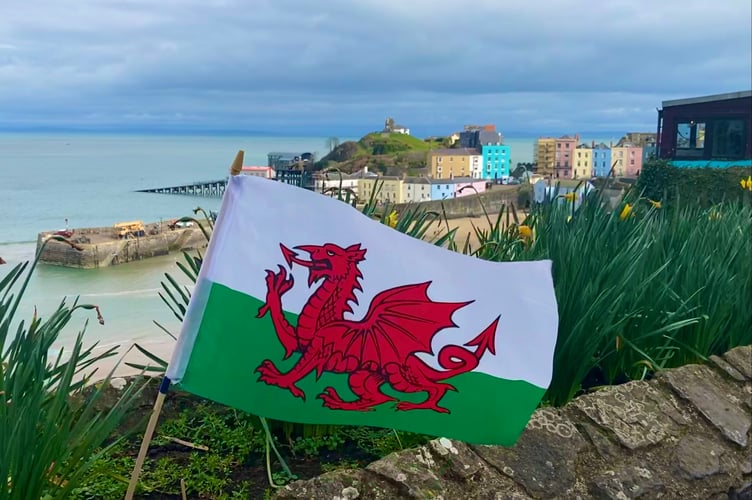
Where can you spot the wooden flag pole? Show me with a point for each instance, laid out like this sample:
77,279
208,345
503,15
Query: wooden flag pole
147,438
235,169
237,164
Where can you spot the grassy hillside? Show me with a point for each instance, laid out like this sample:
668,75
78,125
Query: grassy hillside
387,153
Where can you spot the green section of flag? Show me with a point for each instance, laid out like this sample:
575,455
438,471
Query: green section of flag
232,342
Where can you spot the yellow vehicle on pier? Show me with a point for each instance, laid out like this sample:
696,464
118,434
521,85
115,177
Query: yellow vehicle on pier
130,229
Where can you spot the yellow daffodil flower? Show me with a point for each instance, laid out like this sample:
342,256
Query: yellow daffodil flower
391,219
746,183
569,218
570,196
525,232
656,204
625,211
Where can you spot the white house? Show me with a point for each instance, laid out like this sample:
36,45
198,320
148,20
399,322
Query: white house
476,166
330,182
265,172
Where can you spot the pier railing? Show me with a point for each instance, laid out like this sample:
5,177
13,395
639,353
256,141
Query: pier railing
208,189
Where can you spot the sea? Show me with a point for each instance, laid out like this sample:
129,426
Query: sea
92,180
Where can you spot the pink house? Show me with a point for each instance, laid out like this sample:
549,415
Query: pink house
634,161
565,149
464,186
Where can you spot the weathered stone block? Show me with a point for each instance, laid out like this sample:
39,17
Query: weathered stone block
638,413
606,448
543,461
741,358
713,397
444,469
698,457
341,485
726,368
627,482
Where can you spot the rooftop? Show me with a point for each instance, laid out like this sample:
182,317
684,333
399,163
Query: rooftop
455,152
708,98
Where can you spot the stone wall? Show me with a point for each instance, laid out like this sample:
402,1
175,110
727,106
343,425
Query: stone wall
119,251
470,205
685,434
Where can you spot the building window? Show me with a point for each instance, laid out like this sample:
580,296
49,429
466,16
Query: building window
690,139
728,139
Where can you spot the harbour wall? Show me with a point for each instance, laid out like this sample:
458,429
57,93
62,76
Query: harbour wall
112,251
470,205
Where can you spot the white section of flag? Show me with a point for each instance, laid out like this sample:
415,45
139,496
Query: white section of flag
258,214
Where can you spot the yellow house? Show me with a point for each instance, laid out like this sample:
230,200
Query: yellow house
388,189
448,163
582,163
619,157
545,155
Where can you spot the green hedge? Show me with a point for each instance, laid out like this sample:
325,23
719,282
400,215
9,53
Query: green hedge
706,186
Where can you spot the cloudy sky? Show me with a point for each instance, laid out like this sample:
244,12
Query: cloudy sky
340,67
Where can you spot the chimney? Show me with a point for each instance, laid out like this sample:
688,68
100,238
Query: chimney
365,169
593,144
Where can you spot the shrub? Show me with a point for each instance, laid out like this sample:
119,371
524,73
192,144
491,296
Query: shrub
702,186
51,429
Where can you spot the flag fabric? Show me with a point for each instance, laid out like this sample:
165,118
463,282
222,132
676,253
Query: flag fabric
308,311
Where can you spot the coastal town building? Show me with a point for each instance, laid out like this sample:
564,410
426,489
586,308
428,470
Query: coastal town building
442,189
496,162
448,163
468,186
712,130
601,160
583,162
641,139
565,146
387,188
626,160
286,161
390,127
333,183
645,140
265,172
416,189
544,155
476,166
474,136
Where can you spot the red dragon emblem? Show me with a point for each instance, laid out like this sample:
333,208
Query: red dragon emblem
376,350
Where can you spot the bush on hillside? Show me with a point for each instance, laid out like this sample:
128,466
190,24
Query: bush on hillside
705,186
345,151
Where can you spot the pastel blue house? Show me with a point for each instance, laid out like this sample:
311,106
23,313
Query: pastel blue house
601,160
442,189
496,162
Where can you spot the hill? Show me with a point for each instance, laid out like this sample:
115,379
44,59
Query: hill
388,153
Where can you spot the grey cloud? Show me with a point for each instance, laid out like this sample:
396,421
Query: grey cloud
292,63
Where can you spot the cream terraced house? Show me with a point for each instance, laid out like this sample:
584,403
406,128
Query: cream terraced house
388,189
416,189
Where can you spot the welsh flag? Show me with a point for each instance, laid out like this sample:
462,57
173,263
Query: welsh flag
308,311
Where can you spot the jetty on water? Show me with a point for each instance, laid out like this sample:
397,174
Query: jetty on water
208,189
